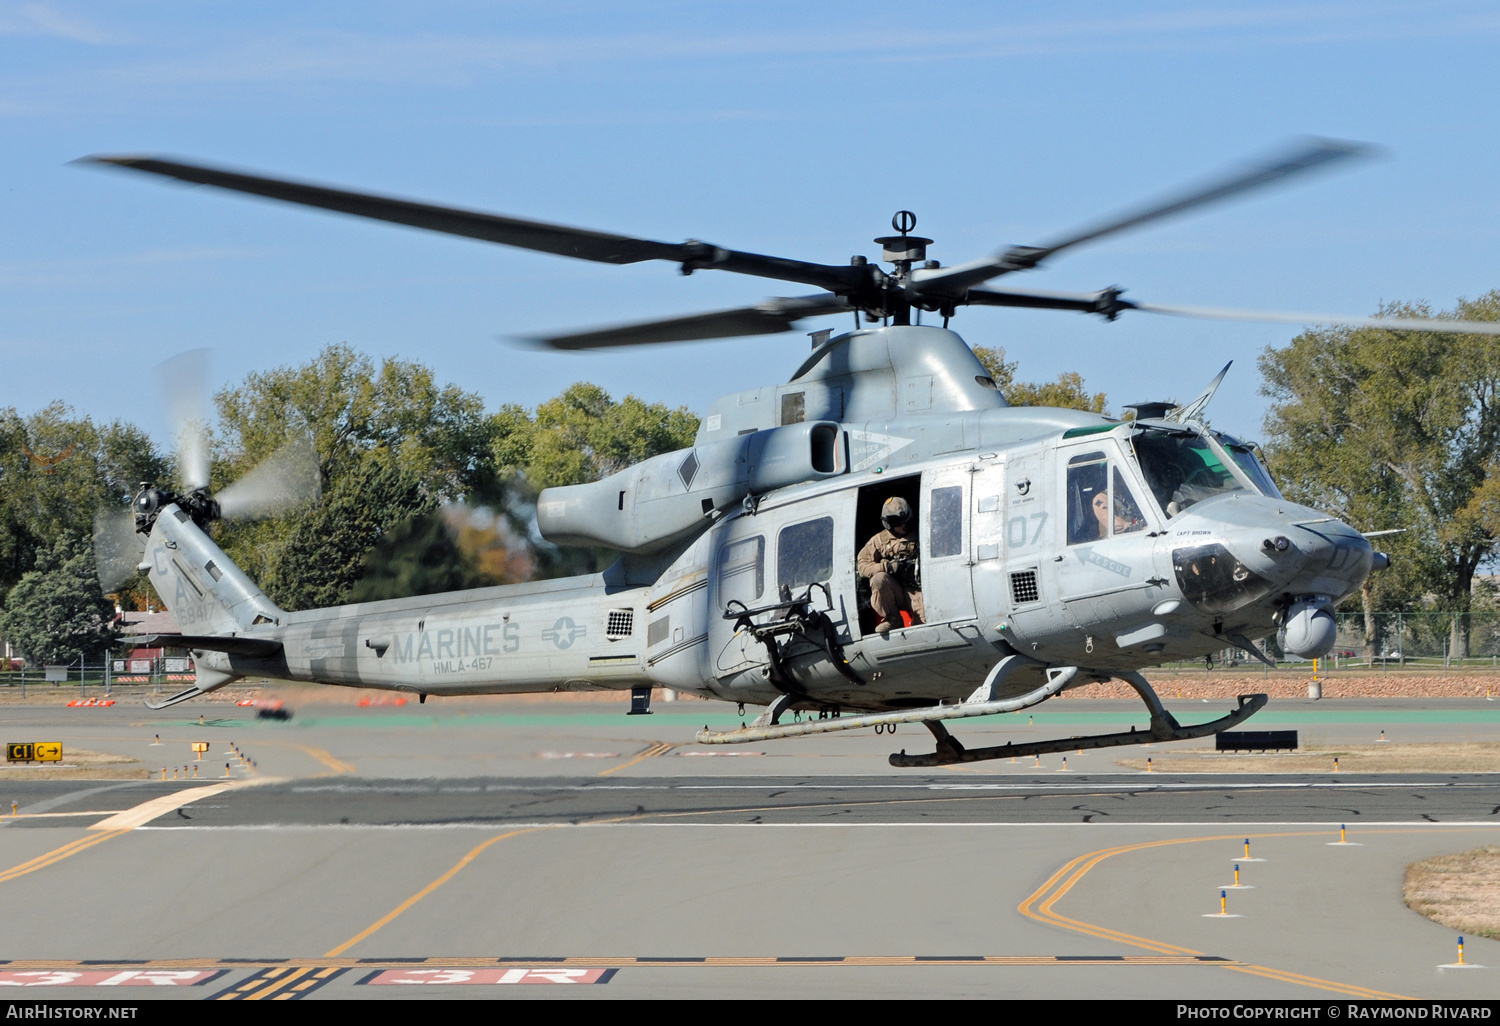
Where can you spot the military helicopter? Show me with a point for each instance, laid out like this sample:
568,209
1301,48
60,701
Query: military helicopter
1053,548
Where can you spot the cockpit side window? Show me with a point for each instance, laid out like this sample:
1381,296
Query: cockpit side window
1127,515
1088,497
1181,469
1100,504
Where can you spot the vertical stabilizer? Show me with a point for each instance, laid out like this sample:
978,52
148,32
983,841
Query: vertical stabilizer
206,592
209,596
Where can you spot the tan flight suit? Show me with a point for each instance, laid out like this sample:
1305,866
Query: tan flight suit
888,594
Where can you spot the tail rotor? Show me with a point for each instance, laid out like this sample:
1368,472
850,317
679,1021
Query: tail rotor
288,478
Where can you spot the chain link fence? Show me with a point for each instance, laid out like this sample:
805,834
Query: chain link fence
100,677
1425,638
1408,640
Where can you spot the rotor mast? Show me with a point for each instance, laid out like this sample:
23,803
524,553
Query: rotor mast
901,251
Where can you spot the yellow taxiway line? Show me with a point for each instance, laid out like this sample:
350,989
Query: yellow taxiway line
117,824
409,902
58,854
1039,906
659,748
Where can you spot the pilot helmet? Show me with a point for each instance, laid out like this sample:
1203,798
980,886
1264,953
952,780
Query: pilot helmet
1125,510
895,512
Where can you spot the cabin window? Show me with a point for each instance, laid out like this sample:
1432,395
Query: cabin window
946,528
794,407
1253,468
742,570
804,554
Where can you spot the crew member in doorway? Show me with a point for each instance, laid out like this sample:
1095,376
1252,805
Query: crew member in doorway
889,561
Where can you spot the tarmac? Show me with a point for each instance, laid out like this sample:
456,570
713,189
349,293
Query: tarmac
479,849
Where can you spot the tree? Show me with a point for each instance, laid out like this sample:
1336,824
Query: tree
583,435
43,505
351,409
1067,392
1395,429
56,613
421,556
329,548
580,436
391,445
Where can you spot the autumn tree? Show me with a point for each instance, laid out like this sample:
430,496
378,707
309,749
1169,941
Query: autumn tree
1067,391
1397,429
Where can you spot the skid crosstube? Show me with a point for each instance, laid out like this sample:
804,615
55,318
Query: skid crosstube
1164,728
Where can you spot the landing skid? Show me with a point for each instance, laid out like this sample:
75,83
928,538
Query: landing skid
1164,726
757,731
949,751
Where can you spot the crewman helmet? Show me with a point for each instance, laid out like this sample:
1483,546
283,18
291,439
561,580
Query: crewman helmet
895,513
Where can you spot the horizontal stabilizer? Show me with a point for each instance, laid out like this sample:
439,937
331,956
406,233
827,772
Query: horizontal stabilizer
226,643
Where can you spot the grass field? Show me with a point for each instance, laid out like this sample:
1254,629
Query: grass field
1461,891
77,764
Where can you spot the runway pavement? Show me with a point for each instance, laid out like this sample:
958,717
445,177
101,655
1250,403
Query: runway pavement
483,850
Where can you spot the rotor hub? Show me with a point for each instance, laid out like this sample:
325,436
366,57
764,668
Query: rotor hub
151,500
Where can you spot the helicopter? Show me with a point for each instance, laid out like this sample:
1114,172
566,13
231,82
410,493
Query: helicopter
1051,548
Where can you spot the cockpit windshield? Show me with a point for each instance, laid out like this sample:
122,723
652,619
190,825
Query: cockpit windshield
1182,468
1245,458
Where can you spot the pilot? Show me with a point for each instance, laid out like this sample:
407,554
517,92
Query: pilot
1126,517
1101,514
889,561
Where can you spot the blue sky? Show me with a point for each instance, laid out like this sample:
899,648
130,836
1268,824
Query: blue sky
794,129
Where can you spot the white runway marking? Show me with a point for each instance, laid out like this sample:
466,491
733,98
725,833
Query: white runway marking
1131,788
147,811
901,824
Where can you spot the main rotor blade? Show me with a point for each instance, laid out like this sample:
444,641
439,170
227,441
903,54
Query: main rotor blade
1103,302
286,479
1307,155
769,318
1283,317
1310,154
1108,303
582,243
